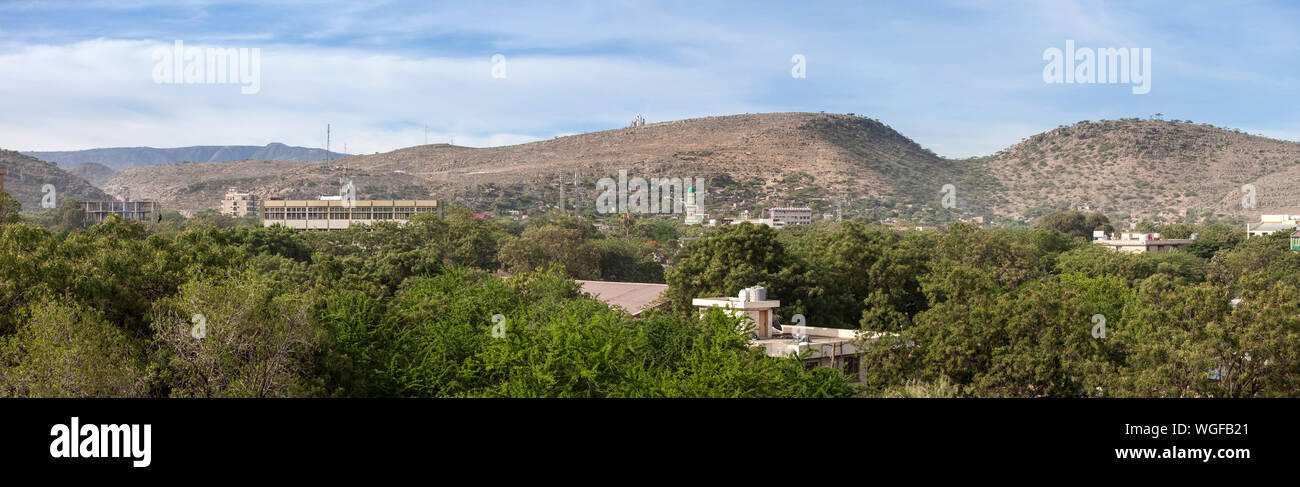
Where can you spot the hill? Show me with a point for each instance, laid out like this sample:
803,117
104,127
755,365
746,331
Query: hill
125,157
94,173
1126,168
763,159
1151,168
26,175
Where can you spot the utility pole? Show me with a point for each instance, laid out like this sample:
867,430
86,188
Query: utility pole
562,212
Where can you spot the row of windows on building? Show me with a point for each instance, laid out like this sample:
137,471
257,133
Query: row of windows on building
359,213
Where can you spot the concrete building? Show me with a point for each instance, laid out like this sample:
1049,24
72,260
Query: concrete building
1138,243
238,204
790,216
337,215
752,303
1295,240
1272,223
827,347
98,211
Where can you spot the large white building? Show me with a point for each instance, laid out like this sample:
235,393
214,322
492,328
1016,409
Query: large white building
340,214
1141,243
1272,223
790,216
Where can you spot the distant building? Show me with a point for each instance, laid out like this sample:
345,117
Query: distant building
238,204
790,216
336,215
98,211
755,221
1269,224
1295,240
1139,243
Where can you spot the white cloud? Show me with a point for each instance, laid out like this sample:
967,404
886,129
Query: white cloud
100,93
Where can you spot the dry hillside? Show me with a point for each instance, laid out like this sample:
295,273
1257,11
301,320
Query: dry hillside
1142,168
26,175
783,158
1148,168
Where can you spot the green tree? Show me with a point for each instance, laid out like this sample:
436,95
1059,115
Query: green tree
251,341
9,209
1074,223
733,258
65,349
540,246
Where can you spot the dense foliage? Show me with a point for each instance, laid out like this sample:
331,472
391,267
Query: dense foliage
457,306
213,308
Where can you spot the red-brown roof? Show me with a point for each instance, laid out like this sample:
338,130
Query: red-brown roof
633,297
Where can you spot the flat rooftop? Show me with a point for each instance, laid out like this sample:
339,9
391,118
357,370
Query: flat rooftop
1144,243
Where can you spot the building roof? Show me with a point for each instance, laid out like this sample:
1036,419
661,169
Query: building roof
633,297
1143,243
1273,227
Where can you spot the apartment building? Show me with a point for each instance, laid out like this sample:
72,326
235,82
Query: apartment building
790,216
238,204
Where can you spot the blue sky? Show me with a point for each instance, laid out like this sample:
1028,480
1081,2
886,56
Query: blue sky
963,78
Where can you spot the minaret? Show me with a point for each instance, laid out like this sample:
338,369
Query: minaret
691,208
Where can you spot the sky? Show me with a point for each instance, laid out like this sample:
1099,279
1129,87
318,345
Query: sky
962,78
